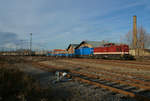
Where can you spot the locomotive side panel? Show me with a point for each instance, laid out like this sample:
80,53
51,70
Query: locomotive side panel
112,51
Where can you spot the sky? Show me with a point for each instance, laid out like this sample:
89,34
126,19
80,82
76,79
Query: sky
57,23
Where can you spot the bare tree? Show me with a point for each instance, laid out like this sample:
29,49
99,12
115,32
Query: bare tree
147,41
127,39
143,38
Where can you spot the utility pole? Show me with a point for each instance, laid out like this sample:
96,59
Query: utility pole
21,45
30,44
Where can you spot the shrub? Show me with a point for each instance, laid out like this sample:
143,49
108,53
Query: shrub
17,86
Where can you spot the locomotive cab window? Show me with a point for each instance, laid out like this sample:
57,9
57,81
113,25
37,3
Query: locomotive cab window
118,49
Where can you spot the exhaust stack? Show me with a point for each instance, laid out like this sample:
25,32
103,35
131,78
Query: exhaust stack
134,32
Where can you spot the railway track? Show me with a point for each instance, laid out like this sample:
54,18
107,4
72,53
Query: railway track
112,86
136,65
116,61
136,91
117,75
126,82
137,76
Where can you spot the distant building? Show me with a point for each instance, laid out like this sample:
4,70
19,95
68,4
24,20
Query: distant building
140,52
59,51
71,48
40,53
91,44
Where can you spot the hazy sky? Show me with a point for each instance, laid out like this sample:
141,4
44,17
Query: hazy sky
57,23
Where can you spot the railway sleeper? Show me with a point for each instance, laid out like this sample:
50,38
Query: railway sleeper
130,88
120,86
139,91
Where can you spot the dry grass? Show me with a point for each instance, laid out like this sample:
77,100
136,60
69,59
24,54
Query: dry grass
16,85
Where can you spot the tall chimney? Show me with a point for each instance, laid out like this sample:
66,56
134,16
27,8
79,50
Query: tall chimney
134,32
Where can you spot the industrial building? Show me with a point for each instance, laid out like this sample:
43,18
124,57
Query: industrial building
140,52
90,44
71,48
